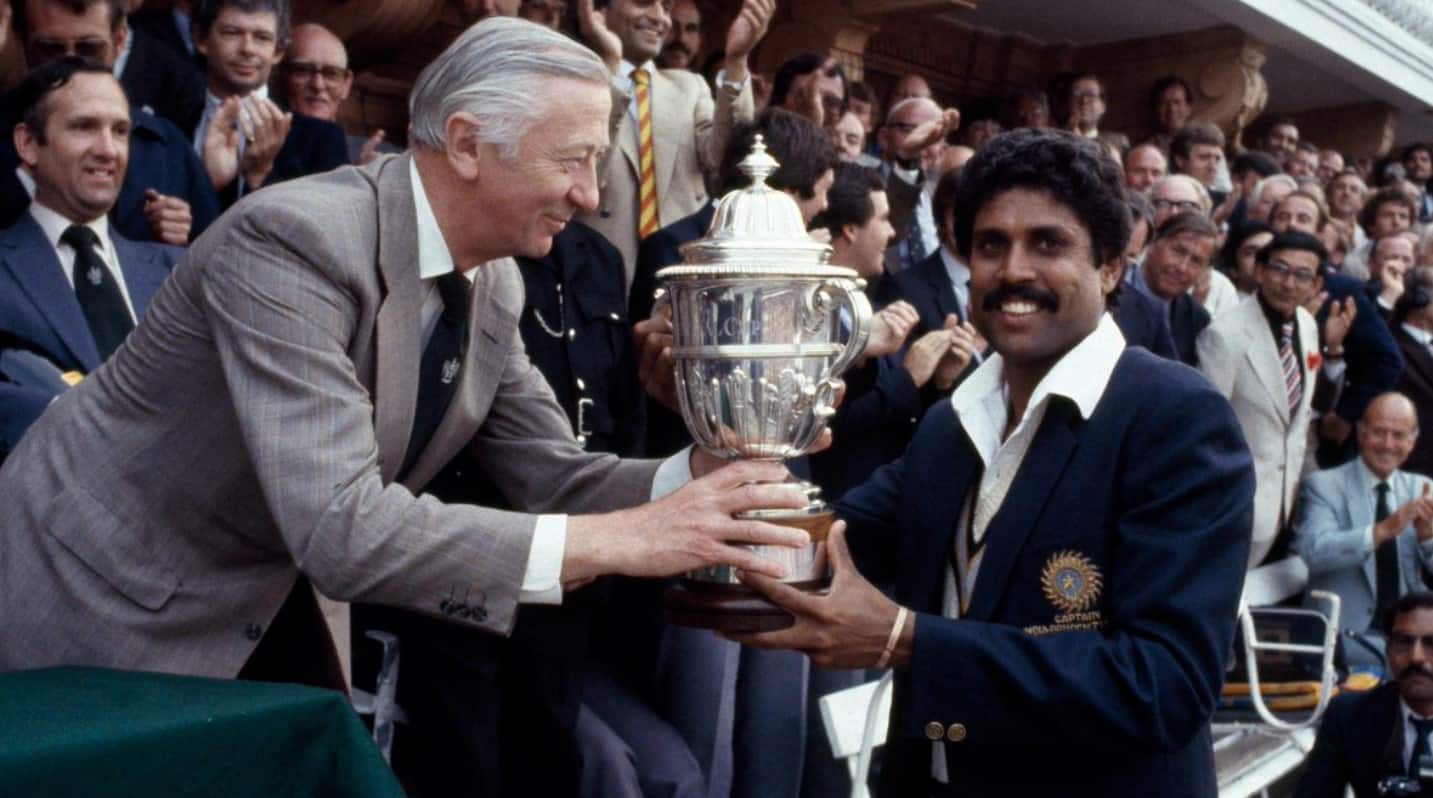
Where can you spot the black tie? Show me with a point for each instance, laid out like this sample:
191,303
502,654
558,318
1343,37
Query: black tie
1386,556
442,361
97,292
1421,728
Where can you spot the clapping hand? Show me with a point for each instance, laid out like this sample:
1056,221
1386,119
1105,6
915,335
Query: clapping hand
927,133
745,33
889,329
1340,319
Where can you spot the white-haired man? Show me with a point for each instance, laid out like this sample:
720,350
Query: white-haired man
324,350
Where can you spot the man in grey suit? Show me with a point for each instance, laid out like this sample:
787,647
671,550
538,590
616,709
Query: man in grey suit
315,359
1366,528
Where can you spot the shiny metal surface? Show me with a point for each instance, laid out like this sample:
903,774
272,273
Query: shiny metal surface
763,327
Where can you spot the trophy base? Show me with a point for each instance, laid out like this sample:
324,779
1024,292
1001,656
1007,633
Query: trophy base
713,598
728,609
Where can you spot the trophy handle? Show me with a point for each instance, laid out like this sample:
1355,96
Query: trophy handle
849,294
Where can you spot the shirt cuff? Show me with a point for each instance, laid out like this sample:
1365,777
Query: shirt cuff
674,472
541,581
1333,369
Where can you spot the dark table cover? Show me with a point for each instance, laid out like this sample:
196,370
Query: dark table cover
92,732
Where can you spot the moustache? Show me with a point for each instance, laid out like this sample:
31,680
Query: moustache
675,46
1029,293
1413,670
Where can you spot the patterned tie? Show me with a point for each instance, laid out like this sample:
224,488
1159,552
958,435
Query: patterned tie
97,291
647,191
912,246
440,366
1293,380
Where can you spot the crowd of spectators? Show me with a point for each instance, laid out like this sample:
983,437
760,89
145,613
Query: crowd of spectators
1296,278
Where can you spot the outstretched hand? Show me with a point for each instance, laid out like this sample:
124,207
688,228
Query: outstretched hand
846,628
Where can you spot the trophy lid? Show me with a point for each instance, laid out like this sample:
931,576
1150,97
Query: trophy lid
756,230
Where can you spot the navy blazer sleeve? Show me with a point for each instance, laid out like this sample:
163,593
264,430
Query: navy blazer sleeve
1374,363
1174,541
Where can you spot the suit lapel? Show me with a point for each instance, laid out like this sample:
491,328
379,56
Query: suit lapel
36,269
484,359
1263,356
627,138
399,316
1039,474
1415,356
945,484
945,299
665,117
143,271
1360,516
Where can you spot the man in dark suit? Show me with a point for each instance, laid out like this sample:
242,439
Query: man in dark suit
1182,249
1376,742
1067,546
160,81
244,139
166,195
1413,331
49,318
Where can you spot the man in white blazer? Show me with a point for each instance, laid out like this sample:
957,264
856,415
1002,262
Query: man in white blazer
1366,527
688,130
1264,355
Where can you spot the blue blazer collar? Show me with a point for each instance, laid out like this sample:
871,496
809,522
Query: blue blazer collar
35,268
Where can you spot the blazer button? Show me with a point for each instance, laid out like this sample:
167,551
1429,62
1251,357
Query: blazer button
254,631
956,732
934,731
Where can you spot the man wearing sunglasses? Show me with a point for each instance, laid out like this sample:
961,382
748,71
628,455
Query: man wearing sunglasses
165,196
1264,355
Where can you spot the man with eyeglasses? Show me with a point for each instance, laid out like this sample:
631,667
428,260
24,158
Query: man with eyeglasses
316,81
669,134
1264,355
1087,106
1377,742
1363,526
245,140
1173,194
913,142
165,195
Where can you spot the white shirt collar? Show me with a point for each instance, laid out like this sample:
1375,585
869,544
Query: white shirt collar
626,68
1423,337
1371,480
958,272
1080,376
55,225
212,101
123,58
434,257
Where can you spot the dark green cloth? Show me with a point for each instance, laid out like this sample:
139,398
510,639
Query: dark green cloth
94,733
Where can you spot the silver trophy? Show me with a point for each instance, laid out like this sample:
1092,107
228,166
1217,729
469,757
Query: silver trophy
763,327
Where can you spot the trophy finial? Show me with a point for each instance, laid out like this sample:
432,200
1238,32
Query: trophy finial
758,164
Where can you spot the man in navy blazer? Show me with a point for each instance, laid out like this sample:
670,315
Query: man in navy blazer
166,195
41,315
1067,545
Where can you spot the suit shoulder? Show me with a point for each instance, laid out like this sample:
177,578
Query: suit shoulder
1183,389
168,254
690,82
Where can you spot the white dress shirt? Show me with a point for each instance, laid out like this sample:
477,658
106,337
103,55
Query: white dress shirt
982,405
54,225
541,581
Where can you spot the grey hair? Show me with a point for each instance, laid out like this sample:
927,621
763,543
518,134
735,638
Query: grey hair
497,71
1206,203
1258,191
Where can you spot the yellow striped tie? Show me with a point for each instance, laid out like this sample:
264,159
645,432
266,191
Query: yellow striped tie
647,192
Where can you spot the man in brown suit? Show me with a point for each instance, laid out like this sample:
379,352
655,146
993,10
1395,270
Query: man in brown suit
316,358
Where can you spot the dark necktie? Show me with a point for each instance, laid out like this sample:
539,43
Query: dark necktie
442,362
97,292
1386,556
1421,728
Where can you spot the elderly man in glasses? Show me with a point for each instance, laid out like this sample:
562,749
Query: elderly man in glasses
913,142
316,81
1264,355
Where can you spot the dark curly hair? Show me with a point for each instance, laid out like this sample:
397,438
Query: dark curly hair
1074,171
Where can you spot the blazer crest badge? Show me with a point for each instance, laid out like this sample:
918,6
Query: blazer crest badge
1072,584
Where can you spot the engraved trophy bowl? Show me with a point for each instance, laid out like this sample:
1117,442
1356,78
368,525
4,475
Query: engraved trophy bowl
763,327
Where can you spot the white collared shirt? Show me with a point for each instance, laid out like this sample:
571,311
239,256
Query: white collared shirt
1423,337
982,404
541,580
122,59
1410,735
625,82
54,225
959,275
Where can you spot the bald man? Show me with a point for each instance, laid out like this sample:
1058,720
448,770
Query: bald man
1366,527
316,80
